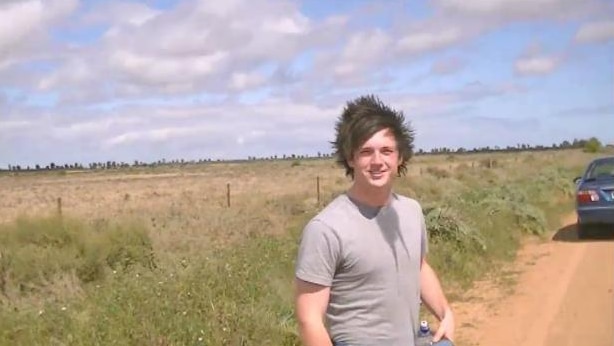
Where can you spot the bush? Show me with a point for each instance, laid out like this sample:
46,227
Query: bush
505,200
35,251
127,245
445,225
454,245
593,145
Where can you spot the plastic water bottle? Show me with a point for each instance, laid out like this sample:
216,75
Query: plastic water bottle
424,337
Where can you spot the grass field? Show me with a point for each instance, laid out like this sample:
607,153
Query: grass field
154,256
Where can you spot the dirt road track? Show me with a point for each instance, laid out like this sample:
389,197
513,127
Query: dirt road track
563,295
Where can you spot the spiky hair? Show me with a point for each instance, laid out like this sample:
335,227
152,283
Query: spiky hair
362,118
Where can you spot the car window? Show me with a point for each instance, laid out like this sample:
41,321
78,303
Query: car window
601,169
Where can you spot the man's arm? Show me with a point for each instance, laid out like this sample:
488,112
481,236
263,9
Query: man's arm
311,302
433,297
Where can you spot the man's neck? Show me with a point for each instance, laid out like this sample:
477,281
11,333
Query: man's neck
374,197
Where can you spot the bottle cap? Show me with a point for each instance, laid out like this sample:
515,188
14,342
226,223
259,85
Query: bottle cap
424,326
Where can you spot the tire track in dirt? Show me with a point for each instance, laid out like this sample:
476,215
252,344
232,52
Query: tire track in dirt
563,295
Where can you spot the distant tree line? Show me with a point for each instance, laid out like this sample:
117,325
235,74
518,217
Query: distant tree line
319,155
592,145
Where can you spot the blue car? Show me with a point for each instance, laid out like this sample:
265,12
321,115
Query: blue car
595,194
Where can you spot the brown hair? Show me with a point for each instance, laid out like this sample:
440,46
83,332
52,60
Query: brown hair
361,119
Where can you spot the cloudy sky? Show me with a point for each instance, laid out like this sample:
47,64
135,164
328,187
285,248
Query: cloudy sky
84,81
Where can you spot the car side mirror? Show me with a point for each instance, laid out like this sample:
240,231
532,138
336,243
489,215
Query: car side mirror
576,180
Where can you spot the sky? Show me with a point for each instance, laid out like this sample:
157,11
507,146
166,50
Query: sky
93,81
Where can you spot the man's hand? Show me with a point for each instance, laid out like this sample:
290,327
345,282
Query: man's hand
434,299
446,327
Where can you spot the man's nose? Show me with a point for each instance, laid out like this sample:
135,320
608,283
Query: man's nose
376,158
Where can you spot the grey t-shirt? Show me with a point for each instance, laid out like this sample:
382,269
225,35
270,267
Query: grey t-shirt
370,257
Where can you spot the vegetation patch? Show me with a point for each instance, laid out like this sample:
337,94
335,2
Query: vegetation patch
36,251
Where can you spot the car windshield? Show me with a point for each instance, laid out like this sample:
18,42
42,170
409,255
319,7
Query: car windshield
601,169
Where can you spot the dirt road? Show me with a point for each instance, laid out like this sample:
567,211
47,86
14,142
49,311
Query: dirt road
558,292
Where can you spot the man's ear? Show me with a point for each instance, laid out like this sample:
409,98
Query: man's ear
350,161
399,167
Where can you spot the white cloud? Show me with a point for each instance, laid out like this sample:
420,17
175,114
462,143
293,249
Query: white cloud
153,135
160,69
156,131
507,11
78,128
194,47
600,31
14,125
362,51
242,81
288,25
535,65
420,105
486,131
222,9
429,40
23,25
76,71
119,13
17,20
534,61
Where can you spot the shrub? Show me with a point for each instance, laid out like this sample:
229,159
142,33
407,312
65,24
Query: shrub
593,145
127,245
511,201
36,250
445,225
454,245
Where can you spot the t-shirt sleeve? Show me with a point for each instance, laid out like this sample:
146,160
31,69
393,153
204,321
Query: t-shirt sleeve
318,254
424,242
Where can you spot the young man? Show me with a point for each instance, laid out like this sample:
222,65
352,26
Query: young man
361,269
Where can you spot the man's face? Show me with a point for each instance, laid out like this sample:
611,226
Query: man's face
376,162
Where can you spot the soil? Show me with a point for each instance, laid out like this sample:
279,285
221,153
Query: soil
557,292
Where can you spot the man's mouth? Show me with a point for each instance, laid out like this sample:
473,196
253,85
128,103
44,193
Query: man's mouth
377,174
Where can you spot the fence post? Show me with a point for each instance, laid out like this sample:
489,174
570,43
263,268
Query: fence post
318,187
228,194
60,206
